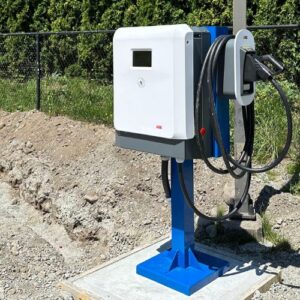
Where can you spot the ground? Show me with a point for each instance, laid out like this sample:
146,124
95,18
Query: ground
70,199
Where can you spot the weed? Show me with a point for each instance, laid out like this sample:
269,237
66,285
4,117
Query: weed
279,242
272,175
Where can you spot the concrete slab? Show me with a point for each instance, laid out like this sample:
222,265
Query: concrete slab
117,280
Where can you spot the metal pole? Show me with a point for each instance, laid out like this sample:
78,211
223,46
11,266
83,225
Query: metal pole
246,211
38,73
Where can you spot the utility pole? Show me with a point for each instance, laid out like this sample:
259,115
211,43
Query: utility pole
246,211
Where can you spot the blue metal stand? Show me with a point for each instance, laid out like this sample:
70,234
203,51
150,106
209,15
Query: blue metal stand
182,268
221,103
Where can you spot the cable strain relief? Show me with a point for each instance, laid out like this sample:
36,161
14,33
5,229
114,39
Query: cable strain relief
179,160
165,158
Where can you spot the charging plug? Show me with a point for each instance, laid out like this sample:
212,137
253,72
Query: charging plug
255,67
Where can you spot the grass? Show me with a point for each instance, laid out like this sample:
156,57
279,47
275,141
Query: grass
272,175
77,98
279,242
270,127
294,170
17,95
270,121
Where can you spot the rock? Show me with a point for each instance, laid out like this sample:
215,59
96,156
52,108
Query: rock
14,201
147,222
279,221
15,177
14,251
214,211
42,275
257,295
12,291
46,206
229,192
211,230
29,144
2,125
91,197
5,165
103,257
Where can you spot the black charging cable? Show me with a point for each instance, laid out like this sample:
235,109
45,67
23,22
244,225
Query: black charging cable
243,164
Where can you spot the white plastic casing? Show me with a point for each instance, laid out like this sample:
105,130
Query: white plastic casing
158,100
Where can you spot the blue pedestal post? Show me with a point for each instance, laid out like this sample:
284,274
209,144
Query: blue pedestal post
182,268
221,103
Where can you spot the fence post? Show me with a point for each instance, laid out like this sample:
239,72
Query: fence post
38,73
247,210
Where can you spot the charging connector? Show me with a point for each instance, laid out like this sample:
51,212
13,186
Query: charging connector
255,67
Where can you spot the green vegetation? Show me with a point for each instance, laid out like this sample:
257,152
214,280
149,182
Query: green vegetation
80,99
270,126
220,211
17,95
92,54
279,242
270,131
294,170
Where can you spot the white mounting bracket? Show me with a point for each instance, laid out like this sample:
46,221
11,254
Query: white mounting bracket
243,40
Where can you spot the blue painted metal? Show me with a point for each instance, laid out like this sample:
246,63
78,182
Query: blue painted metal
221,103
182,268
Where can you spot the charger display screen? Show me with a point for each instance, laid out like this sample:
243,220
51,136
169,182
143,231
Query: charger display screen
142,58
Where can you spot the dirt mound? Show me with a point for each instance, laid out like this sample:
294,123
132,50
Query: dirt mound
72,172
97,201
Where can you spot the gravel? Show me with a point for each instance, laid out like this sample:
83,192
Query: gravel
71,200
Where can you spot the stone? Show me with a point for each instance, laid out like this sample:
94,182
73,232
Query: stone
147,222
211,230
279,221
253,228
15,177
14,251
46,206
2,125
229,193
91,197
14,201
103,257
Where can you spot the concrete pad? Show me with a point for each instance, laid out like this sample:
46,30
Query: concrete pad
118,280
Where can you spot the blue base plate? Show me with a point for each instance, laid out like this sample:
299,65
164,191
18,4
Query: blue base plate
185,273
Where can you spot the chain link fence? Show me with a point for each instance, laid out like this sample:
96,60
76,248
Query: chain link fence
64,72
59,73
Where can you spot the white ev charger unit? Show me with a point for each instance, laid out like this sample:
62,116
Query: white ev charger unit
153,81
155,71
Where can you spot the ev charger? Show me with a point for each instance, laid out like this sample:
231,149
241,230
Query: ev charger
153,81
170,87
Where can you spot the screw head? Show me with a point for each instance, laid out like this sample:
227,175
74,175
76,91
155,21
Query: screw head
141,82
